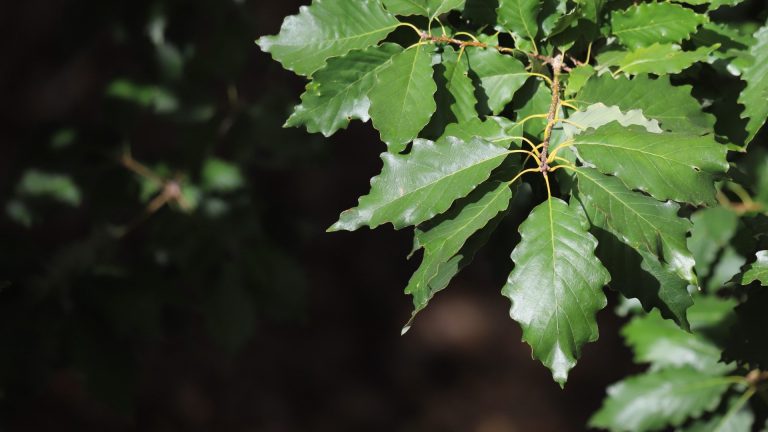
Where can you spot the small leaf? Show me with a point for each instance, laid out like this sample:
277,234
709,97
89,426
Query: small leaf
57,187
713,228
415,187
459,85
713,4
597,115
677,111
667,166
577,78
657,59
491,129
639,221
663,344
327,28
643,277
445,237
519,17
403,99
339,91
645,24
427,8
655,400
591,9
755,95
556,285
757,271
501,76
738,417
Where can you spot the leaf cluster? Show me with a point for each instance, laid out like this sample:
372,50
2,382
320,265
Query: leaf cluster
592,104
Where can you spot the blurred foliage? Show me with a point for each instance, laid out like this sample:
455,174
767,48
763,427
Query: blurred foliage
140,217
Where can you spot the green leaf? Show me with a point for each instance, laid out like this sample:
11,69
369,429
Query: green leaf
737,418
597,115
427,8
663,344
591,9
643,277
403,99
519,17
339,91
655,400
459,85
556,285
445,237
713,228
491,129
327,28
657,59
501,76
577,78
415,187
731,56
677,111
639,221
755,96
667,166
220,176
757,271
713,4
57,187
646,24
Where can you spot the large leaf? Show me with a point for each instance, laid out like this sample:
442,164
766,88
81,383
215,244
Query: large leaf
647,23
427,8
403,99
327,28
556,285
459,85
657,59
519,17
677,111
415,187
500,76
443,238
639,221
755,95
667,166
654,400
663,344
339,91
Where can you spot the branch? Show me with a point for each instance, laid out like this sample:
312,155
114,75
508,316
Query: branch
475,43
554,106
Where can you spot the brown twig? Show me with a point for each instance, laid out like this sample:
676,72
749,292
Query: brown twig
554,106
473,43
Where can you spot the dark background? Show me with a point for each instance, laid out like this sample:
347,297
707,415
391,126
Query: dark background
240,314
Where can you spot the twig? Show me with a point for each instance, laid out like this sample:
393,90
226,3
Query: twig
476,43
554,106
